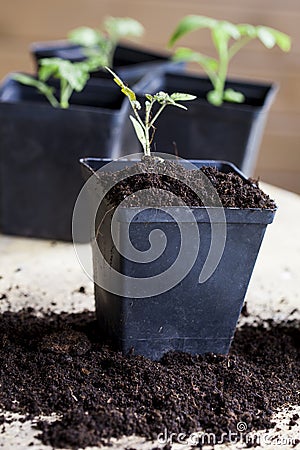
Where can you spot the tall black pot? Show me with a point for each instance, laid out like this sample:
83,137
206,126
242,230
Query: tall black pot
191,316
231,132
39,149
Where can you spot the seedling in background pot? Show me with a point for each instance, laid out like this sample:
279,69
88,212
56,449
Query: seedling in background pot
144,128
222,32
72,76
100,46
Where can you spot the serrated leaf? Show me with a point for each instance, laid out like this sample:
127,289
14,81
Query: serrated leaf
162,97
233,96
121,27
188,55
181,97
139,131
191,23
85,36
75,73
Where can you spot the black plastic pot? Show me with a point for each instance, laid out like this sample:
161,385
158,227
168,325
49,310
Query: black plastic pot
231,132
191,317
130,62
39,148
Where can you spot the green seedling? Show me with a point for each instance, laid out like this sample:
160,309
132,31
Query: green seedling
100,48
144,127
72,76
100,45
228,39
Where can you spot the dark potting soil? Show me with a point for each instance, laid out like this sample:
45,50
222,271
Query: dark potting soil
55,363
193,187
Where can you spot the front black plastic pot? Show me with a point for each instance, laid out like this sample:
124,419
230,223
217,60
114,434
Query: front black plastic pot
130,62
190,317
231,132
39,149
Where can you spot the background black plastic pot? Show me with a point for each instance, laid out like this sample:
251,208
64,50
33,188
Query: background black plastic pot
231,132
191,317
40,145
130,62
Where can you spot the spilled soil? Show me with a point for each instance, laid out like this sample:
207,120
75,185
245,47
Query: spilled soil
55,363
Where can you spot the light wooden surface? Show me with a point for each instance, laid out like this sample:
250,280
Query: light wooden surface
279,163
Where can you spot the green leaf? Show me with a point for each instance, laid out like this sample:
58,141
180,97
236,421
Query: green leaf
163,98
266,37
181,97
121,27
149,97
85,36
129,93
191,23
269,35
283,40
139,131
247,30
95,61
233,96
126,90
73,76
188,55
229,28
48,68
76,74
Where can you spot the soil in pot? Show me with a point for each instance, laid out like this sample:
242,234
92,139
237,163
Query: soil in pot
233,190
55,363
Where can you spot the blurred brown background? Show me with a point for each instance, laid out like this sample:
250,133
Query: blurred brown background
22,22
